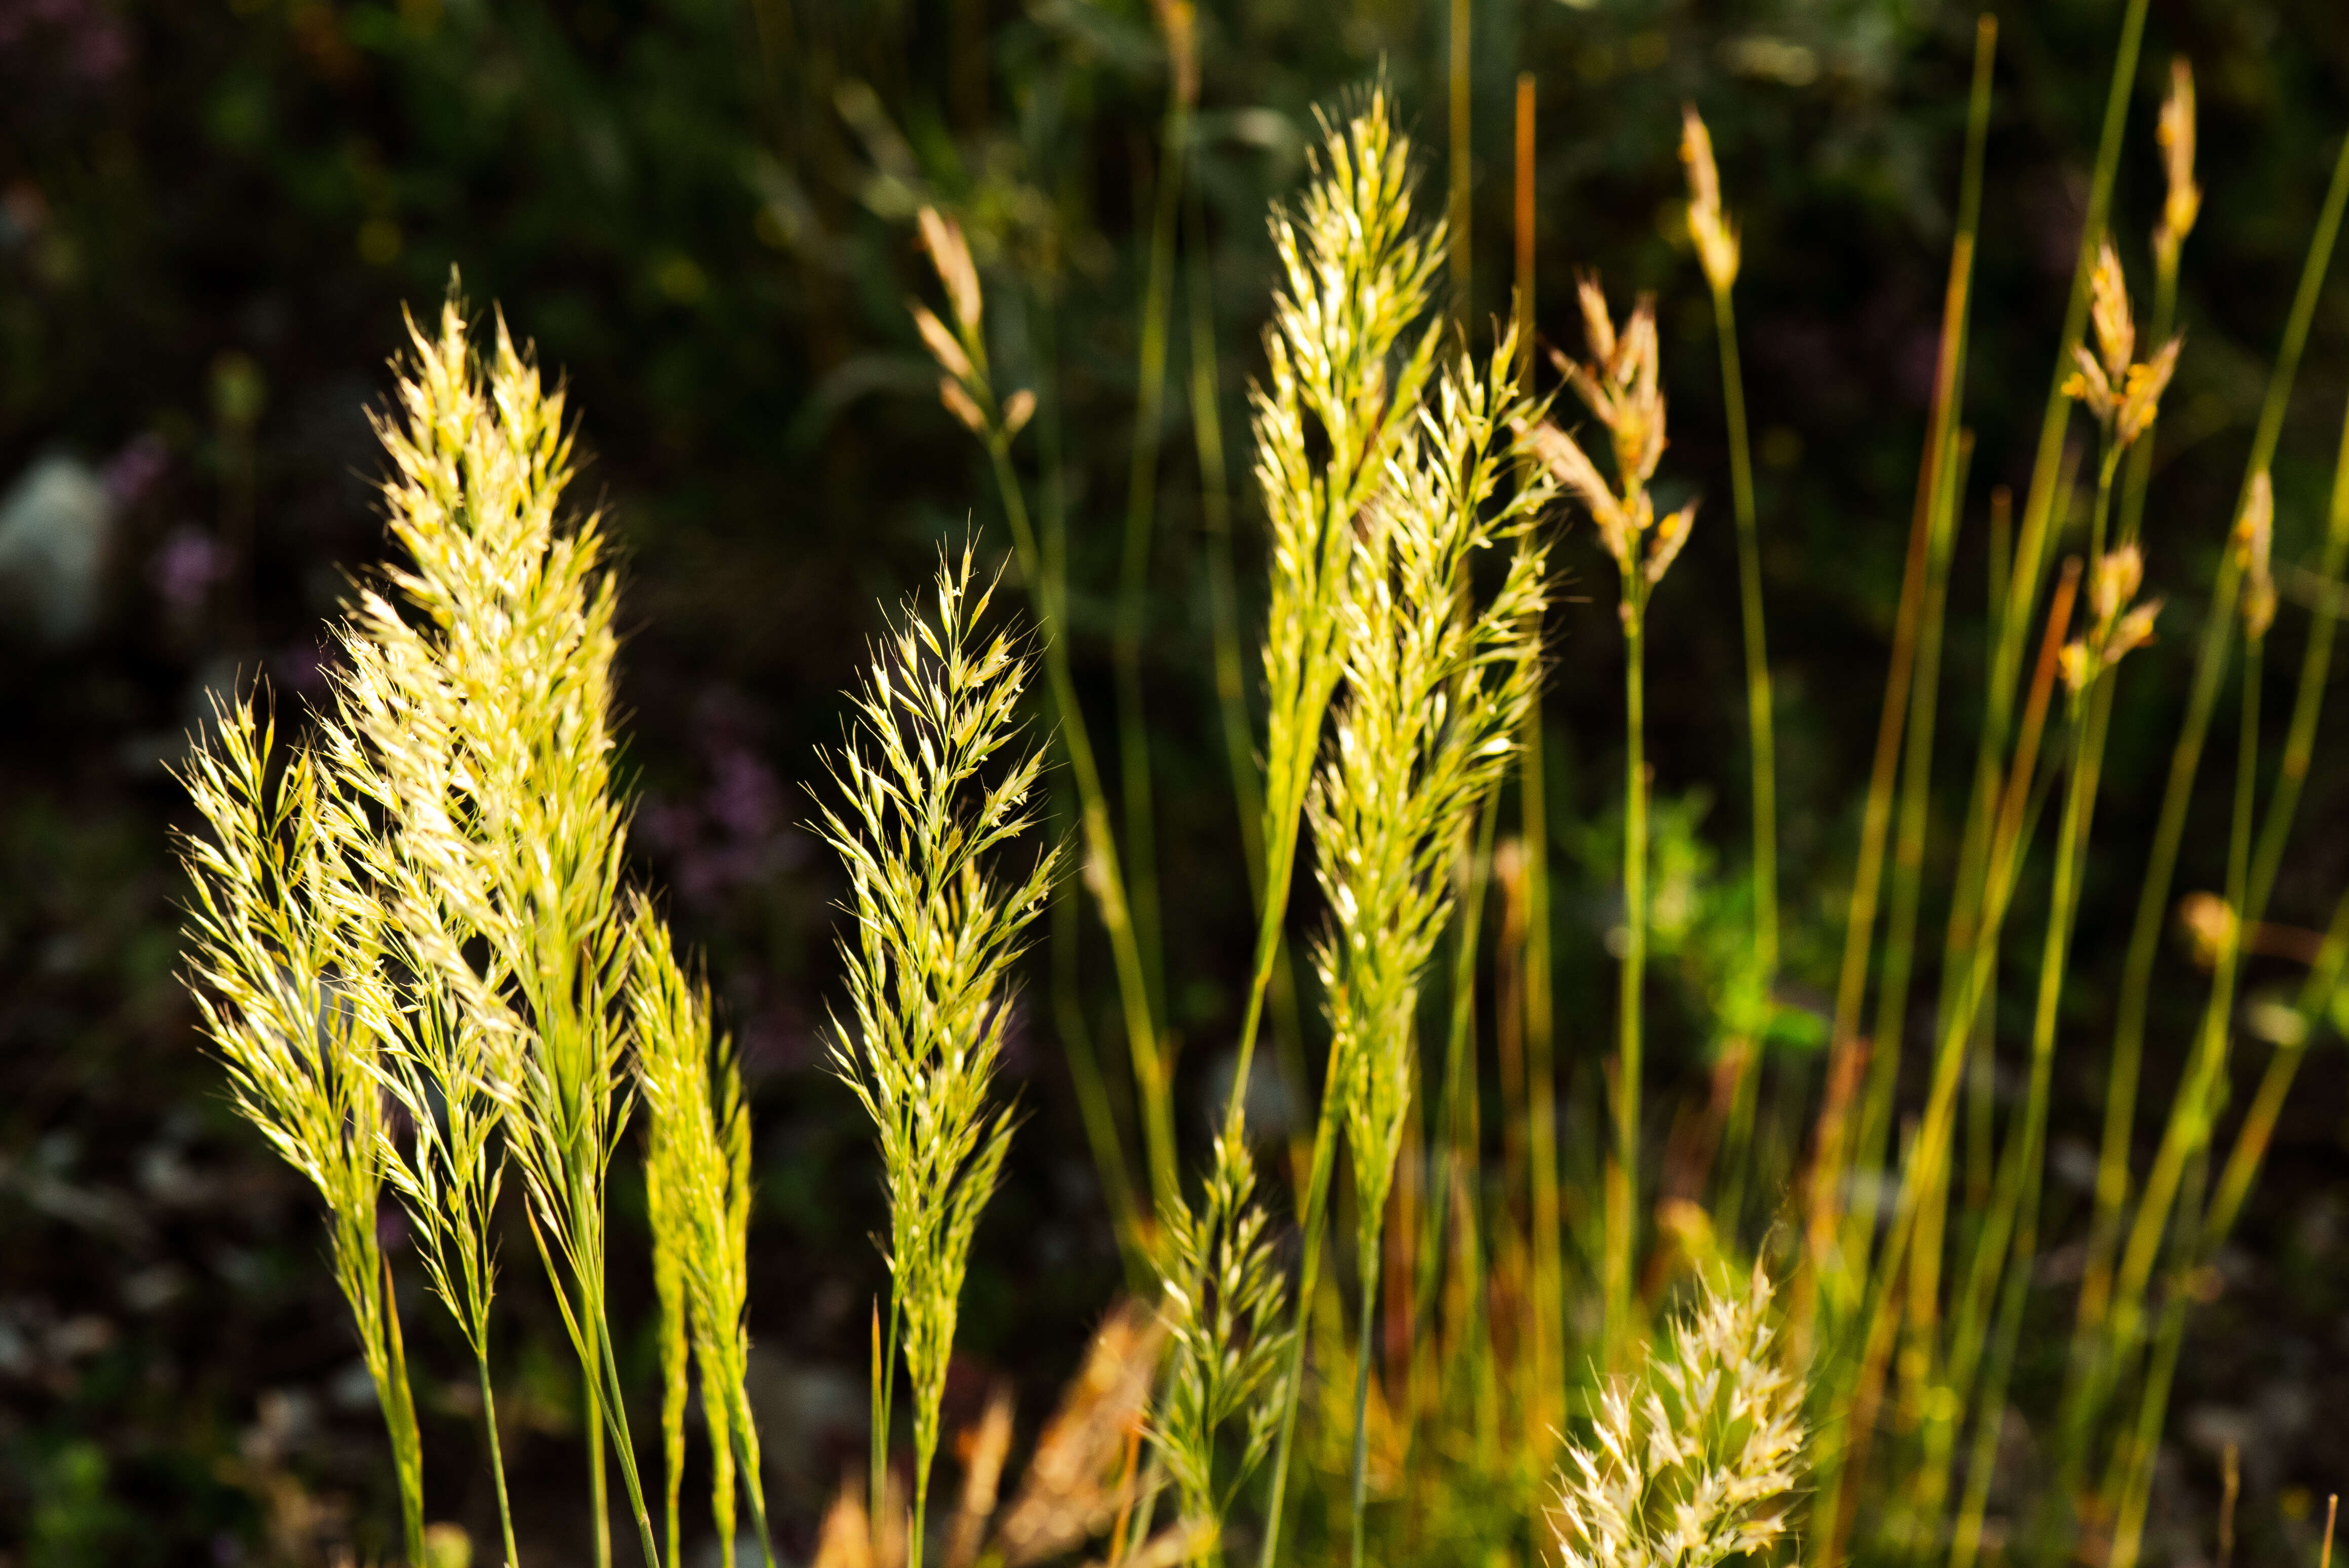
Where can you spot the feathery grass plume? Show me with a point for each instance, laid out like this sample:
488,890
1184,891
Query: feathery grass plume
1435,694
1348,353
1619,386
1226,1313
443,1069
936,932
478,706
698,1187
284,971
1692,1462
1344,379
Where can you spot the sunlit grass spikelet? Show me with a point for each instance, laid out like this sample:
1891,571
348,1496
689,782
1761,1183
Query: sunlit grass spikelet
917,824
1692,1462
698,1187
287,952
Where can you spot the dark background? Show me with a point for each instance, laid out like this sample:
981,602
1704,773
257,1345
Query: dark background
212,217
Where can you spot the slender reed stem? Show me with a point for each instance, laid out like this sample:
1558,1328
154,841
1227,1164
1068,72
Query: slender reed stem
1103,877
497,1460
1623,1160
1825,1252
1758,704
1368,1270
1546,1302
1853,1401
1460,208
1140,504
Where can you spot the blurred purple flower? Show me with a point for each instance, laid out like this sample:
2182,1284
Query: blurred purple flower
86,38
185,567
132,472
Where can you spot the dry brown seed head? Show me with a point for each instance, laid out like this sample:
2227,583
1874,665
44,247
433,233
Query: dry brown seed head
958,403
1018,409
950,254
1670,535
2209,925
2254,542
2141,396
2134,631
1598,325
2176,131
2116,329
2114,582
942,344
1709,225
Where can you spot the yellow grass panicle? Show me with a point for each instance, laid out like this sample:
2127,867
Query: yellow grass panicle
1225,1313
1432,700
475,713
698,1190
287,950
1709,226
1349,354
917,825
1692,1462
2183,202
1437,692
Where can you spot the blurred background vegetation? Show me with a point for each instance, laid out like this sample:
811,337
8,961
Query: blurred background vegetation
211,216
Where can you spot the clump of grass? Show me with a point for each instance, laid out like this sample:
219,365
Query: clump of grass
424,904
1693,1461
917,825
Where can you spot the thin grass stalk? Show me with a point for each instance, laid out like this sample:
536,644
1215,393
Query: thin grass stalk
2161,862
1142,491
1103,1134
1924,1296
2040,501
2133,1461
2260,1120
1460,206
1622,1170
1828,1258
1717,251
1456,1109
1966,897
2186,1137
966,389
1621,385
1547,1299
